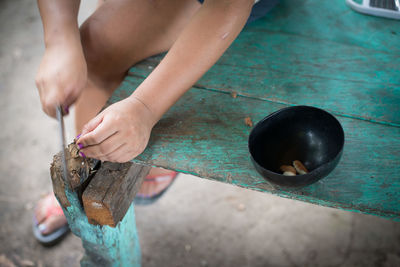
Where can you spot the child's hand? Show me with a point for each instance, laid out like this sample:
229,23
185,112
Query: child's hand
62,75
119,133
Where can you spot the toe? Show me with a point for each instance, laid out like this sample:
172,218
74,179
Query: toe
43,206
40,211
52,223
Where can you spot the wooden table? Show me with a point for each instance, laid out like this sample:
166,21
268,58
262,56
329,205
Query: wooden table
311,52
318,53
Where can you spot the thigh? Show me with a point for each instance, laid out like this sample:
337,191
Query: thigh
123,32
119,34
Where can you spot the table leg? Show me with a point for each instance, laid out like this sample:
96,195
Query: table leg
104,245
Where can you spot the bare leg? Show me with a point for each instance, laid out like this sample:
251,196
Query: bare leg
119,34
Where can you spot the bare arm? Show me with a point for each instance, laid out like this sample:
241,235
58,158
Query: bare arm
121,131
59,19
62,73
200,45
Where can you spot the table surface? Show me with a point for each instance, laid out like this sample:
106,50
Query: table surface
318,53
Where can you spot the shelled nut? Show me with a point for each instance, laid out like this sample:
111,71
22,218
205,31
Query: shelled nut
288,170
300,168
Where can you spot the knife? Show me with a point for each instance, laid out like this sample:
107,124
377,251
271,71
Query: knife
60,119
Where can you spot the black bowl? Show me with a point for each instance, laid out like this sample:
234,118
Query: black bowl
303,133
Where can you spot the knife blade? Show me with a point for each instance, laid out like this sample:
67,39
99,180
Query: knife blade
60,119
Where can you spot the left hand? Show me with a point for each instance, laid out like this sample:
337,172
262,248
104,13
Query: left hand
119,133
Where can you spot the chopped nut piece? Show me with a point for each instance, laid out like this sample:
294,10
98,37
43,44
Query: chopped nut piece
234,94
300,168
248,121
288,170
289,174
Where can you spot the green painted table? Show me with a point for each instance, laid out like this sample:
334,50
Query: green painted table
318,53
310,52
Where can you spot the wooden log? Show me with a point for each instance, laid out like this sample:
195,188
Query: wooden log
104,245
111,192
79,169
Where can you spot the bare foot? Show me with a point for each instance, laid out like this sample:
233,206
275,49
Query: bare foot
49,215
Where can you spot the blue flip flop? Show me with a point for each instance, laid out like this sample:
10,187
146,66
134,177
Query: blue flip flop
54,237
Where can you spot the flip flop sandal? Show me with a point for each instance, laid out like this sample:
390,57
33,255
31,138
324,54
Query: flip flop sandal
142,199
55,236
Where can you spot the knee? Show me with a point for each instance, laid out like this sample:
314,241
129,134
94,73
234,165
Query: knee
91,39
98,51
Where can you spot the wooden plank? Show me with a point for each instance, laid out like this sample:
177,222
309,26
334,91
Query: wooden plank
298,55
304,52
204,134
111,192
331,20
364,100
315,53
345,79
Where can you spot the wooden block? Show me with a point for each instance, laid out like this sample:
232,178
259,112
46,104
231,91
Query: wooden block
78,168
111,191
104,246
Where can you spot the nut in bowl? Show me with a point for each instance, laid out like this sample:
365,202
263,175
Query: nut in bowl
309,140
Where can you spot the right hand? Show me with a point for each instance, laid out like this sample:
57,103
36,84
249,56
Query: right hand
62,76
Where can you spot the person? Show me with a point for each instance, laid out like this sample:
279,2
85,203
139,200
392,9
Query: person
83,66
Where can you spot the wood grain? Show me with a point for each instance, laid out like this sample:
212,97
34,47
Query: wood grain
204,134
309,52
79,170
111,192
332,21
57,180
313,53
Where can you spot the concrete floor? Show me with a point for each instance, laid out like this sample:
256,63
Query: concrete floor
198,223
